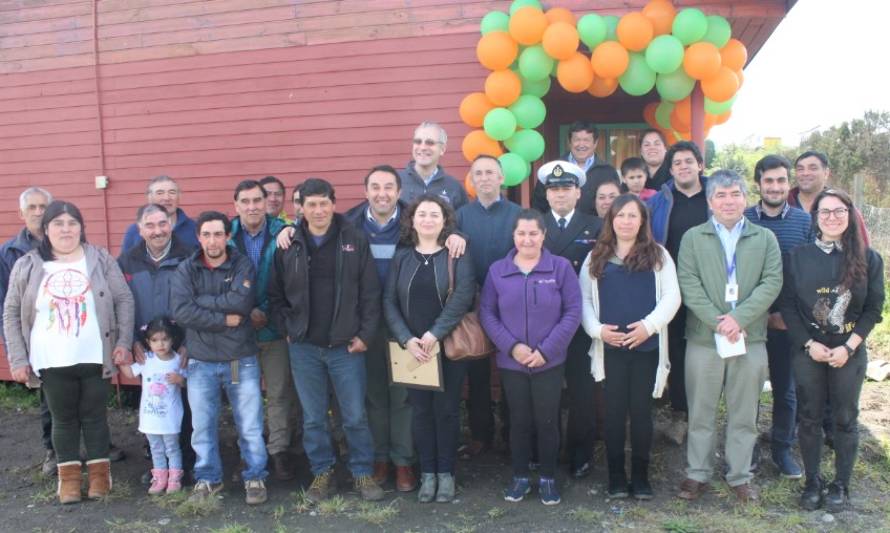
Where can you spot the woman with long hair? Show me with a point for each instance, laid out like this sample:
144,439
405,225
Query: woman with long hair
420,314
831,299
630,293
68,319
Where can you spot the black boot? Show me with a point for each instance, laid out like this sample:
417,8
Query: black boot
811,498
617,478
837,497
639,479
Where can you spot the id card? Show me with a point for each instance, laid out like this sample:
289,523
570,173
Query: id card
732,292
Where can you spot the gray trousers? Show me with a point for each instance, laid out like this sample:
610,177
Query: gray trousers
740,380
284,415
389,413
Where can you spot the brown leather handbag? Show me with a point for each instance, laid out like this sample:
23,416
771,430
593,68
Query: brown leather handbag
468,340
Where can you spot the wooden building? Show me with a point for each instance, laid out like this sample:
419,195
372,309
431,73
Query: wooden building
215,91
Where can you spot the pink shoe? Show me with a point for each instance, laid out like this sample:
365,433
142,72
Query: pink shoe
158,480
174,481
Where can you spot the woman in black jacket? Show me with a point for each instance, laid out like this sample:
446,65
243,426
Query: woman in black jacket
832,298
420,313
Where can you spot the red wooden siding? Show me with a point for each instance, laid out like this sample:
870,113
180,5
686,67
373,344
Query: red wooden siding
214,91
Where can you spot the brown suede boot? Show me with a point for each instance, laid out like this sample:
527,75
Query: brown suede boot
99,476
69,482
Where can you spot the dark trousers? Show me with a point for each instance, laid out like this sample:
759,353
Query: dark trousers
77,397
581,426
818,383
436,420
46,422
677,356
778,351
630,378
479,400
534,410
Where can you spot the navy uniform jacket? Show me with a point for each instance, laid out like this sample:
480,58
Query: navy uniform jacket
574,242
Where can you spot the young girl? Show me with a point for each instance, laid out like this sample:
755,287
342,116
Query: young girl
160,411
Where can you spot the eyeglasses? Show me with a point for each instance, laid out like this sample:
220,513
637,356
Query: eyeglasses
426,142
840,212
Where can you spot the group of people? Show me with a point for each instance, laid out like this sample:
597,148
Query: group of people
614,287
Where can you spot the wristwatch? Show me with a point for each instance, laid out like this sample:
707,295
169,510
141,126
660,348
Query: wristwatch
850,351
806,345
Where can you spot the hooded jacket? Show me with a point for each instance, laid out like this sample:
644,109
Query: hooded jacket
442,185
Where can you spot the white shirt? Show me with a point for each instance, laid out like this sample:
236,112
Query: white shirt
160,410
568,217
66,329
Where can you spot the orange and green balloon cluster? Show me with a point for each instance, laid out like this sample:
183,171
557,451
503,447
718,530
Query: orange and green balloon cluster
657,48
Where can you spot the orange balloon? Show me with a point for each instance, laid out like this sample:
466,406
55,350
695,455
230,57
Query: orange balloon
649,114
603,87
560,14
609,60
724,116
702,60
740,76
661,13
635,31
473,108
502,87
575,74
722,86
496,50
734,54
477,143
468,185
681,115
560,40
527,25
710,121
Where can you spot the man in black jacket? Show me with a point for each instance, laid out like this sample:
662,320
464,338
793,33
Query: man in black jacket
212,297
324,294
582,140
571,234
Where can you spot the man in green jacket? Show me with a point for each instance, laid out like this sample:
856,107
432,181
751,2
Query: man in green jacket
730,272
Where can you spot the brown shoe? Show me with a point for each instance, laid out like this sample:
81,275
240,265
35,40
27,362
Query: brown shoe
69,482
745,493
381,472
99,476
691,489
282,467
405,479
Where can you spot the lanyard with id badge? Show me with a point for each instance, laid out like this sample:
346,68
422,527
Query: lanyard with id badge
726,348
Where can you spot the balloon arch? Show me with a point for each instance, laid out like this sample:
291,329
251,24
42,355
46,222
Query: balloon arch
656,47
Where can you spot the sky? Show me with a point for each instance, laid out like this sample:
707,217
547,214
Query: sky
824,64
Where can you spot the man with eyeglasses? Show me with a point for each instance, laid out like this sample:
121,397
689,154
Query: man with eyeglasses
275,198
423,175
162,190
679,205
812,171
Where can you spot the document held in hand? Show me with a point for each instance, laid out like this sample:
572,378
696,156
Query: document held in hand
407,371
727,349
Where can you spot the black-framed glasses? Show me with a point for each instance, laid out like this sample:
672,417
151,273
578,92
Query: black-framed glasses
426,142
840,212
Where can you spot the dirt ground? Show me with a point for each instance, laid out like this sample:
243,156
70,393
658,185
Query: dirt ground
28,502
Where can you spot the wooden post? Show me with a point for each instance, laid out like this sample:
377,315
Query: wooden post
698,118
858,192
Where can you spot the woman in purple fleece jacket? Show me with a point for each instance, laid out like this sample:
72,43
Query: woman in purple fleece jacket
531,308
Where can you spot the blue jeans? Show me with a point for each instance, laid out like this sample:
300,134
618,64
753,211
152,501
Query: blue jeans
778,349
311,367
205,382
165,451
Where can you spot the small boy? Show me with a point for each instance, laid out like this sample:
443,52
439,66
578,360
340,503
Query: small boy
634,174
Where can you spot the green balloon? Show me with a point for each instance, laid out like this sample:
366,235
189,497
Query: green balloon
495,21
499,124
554,69
519,4
592,29
690,25
528,144
675,85
534,63
535,88
718,108
663,114
515,168
638,79
719,31
664,54
529,111
611,27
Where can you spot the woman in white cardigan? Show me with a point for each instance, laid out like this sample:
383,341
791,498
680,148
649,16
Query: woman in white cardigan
630,293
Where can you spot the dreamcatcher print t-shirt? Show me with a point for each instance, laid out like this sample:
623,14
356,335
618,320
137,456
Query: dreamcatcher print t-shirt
66,329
